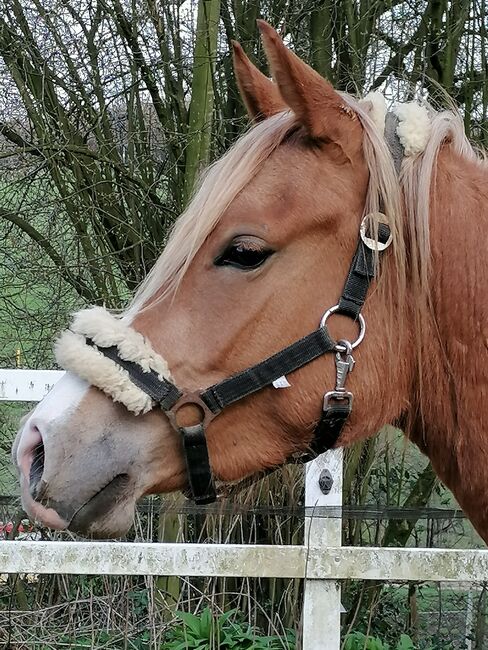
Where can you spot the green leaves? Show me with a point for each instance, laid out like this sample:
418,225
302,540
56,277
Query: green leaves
405,643
206,632
359,641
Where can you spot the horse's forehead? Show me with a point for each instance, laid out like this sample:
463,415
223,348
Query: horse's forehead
283,181
295,162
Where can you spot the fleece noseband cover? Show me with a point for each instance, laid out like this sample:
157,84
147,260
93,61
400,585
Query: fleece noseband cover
75,353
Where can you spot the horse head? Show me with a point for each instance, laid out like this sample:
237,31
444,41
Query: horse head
260,254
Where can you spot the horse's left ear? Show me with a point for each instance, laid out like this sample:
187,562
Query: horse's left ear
261,96
318,107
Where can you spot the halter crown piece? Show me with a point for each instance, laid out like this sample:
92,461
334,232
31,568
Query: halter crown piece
111,355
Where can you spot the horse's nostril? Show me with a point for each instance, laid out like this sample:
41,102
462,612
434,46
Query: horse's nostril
36,470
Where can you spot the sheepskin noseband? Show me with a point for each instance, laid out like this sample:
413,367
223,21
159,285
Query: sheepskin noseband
73,353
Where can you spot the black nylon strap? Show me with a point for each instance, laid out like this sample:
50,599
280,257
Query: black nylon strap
262,374
361,272
161,391
198,464
330,426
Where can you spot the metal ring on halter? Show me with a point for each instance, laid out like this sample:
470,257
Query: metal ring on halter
362,328
374,244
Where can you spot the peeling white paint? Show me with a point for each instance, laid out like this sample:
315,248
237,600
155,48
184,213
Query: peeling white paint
336,563
398,564
124,558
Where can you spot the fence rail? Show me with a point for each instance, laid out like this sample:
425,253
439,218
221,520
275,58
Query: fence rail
321,561
22,385
242,560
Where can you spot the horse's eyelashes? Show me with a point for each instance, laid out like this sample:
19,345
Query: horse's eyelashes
243,256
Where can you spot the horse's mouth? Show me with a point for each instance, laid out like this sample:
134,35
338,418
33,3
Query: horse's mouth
99,517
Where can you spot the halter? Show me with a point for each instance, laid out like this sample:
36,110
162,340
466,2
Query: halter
210,402
374,238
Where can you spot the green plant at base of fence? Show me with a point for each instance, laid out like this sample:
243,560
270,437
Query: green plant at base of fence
205,632
101,639
360,641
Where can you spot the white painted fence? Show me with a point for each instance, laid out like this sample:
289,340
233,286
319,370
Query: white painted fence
321,561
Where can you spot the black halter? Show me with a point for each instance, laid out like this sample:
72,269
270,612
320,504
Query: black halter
337,403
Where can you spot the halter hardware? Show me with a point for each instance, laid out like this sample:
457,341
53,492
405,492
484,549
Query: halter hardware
367,228
345,363
341,346
192,398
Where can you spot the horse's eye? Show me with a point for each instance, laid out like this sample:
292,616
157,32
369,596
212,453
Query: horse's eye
244,255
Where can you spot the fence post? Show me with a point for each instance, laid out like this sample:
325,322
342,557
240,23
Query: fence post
322,598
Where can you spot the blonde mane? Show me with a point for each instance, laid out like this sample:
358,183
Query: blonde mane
219,186
405,201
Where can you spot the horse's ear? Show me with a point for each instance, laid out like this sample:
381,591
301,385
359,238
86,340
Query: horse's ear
318,107
261,96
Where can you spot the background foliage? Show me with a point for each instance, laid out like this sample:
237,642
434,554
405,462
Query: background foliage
110,108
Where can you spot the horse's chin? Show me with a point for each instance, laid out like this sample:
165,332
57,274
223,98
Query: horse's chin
114,525
109,513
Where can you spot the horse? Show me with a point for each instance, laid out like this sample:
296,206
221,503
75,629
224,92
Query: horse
250,281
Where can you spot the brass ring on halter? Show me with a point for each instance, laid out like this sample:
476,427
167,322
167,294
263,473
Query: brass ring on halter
366,224
362,328
203,414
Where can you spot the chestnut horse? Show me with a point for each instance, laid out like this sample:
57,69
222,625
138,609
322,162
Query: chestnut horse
259,255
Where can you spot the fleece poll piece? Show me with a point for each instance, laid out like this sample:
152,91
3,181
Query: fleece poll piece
414,125
106,330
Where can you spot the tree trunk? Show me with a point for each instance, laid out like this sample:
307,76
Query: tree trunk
202,96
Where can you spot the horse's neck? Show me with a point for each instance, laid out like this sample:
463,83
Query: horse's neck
455,357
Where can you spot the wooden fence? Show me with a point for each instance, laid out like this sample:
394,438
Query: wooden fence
322,562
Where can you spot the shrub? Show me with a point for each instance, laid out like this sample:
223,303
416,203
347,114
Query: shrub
206,632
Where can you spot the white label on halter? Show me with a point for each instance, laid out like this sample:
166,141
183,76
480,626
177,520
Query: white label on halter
281,382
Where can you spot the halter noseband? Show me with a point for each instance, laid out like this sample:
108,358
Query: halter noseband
337,404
